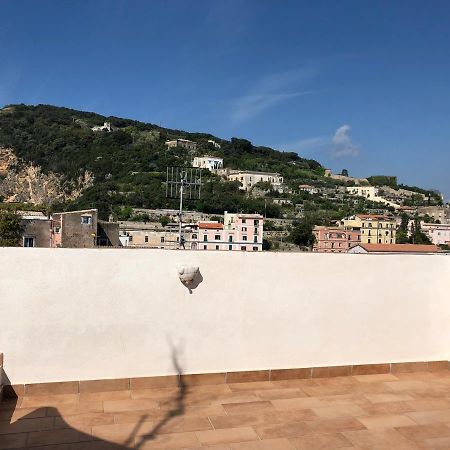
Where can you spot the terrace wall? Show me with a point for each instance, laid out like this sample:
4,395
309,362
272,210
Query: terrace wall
78,314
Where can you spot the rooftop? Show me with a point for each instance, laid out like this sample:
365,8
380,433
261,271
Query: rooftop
210,225
401,410
399,248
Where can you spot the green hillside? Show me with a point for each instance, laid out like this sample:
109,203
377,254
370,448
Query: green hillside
129,164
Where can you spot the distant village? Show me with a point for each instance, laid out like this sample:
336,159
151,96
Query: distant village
374,232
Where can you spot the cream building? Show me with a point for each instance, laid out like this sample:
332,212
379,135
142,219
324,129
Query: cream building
374,228
370,193
184,143
249,178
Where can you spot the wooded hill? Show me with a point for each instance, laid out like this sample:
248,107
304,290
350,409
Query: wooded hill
128,165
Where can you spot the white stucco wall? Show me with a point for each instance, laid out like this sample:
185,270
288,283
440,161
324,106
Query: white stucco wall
69,314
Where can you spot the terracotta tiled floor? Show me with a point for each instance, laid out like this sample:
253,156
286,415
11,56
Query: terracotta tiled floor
403,411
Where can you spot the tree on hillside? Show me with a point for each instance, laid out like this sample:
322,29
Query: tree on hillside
417,235
10,228
301,233
165,220
402,232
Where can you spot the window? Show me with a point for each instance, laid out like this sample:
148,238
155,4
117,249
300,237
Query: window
243,248
205,238
217,247
57,229
370,225
368,241
205,247
255,249
244,220
230,238
28,241
217,237
146,239
130,238
244,238
194,236
379,241
256,222
255,238
162,239
86,220
244,228
230,247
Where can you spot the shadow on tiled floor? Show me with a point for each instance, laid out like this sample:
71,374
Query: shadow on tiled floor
406,411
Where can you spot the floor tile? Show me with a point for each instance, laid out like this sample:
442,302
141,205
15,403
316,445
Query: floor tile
228,435
386,421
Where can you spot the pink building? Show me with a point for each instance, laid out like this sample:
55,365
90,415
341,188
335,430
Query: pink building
243,232
334,240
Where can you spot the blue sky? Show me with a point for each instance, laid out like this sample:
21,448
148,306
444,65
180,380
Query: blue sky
354,84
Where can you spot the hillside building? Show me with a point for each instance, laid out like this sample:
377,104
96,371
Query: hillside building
183,143
210,163
249,178
334,239
243,232
105,127
308,188
439,233
73,229
374,228
214,143
370,193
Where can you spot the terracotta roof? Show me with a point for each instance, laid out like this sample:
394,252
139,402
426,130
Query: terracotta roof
399,248
210,226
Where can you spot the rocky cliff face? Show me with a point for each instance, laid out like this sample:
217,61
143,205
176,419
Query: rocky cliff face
27,183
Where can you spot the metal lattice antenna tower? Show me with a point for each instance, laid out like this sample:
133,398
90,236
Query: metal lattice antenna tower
184,184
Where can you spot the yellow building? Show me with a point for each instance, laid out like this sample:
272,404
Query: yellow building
375,229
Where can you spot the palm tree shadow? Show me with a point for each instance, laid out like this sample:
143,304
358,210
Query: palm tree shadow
8,409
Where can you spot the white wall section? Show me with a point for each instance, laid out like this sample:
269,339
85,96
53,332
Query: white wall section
77,314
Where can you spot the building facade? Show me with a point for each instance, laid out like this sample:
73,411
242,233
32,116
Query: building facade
242,232
370,193
308,188
184,143
73,229
210,163
250,178
438,233
334,239
154,235
374,228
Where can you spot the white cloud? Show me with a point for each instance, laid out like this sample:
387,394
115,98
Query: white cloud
270,91
338,145
343,144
